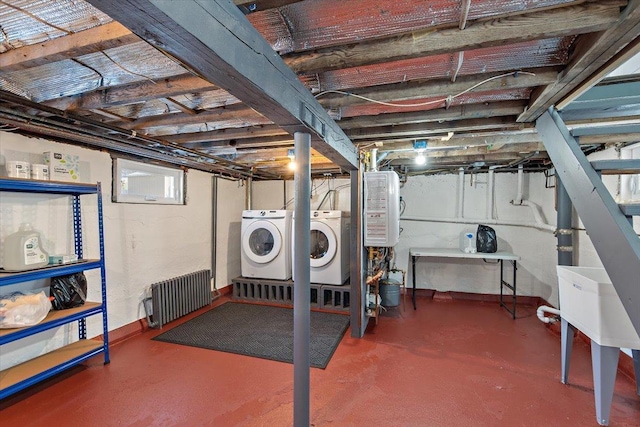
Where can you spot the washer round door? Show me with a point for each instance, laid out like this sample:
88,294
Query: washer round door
261,242
323,244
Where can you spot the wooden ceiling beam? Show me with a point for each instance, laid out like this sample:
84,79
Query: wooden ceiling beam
230,112
591,52
574,19
226,134
420,130
95,39
460,112
472,151
132,93
467,160
464,142
261,142
440,88
273,154
215,40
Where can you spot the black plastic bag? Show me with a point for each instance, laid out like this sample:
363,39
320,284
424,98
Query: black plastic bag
486,240
68,291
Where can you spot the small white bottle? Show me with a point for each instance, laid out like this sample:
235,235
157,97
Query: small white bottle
23,251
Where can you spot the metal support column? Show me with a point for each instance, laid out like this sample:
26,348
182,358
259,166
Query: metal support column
214,234
359,319
565,228
302,291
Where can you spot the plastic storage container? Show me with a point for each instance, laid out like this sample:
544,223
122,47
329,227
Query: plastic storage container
589,302
23,250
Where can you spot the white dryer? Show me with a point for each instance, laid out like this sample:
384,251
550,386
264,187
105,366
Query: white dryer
330,246
266,244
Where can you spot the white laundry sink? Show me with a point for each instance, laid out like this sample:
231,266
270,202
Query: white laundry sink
589,302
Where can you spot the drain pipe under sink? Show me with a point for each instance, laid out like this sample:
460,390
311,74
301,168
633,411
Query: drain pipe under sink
546,309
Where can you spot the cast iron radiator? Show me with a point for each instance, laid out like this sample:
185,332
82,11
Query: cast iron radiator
177,297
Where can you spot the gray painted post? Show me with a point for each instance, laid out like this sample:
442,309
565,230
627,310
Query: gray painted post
566,345
565,232
302,292
604,361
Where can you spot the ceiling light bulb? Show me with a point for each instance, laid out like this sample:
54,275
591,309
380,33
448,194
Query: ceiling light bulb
292,165
420,159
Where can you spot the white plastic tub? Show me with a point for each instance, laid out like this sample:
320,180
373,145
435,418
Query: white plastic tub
589,302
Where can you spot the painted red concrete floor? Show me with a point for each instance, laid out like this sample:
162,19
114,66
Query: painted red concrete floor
447,364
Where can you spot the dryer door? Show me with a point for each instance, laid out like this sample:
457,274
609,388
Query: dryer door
261,241
323,244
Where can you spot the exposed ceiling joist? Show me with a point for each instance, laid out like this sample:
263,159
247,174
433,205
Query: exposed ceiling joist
132,93
460,112
231,112
420,130
227,134
81,43
246,143
441,88
570,20
215,40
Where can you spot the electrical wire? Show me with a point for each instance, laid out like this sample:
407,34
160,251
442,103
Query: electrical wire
127,70
422,104
313,188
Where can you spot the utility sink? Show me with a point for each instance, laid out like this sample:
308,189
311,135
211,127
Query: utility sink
589,302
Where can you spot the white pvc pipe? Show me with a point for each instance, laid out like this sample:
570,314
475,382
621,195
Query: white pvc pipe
518,199
537,212
546,309
490,200
460,192
544,227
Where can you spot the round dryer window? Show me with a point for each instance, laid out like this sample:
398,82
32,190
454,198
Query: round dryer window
261,242
323,244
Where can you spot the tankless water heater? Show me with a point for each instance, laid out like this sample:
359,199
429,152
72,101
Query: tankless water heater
381,209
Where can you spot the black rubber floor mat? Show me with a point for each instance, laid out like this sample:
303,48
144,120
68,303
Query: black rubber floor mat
259,331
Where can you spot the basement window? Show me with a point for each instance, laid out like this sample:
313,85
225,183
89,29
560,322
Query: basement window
137,182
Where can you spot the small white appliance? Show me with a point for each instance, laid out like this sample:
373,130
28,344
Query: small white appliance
266,244
330,245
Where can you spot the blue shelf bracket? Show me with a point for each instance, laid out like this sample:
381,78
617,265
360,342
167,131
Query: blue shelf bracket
77,225
82,329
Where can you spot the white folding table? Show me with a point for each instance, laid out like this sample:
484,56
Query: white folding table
457,253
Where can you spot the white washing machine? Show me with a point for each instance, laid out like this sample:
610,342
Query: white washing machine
266,244
330,246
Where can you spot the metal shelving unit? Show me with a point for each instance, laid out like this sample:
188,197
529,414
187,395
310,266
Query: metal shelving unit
35,370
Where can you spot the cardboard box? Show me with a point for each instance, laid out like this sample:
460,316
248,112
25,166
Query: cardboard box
62,167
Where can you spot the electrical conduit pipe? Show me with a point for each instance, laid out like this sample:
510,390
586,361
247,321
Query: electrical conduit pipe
460,192
490,199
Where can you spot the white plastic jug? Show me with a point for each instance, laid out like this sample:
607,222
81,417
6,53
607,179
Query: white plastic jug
23,250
